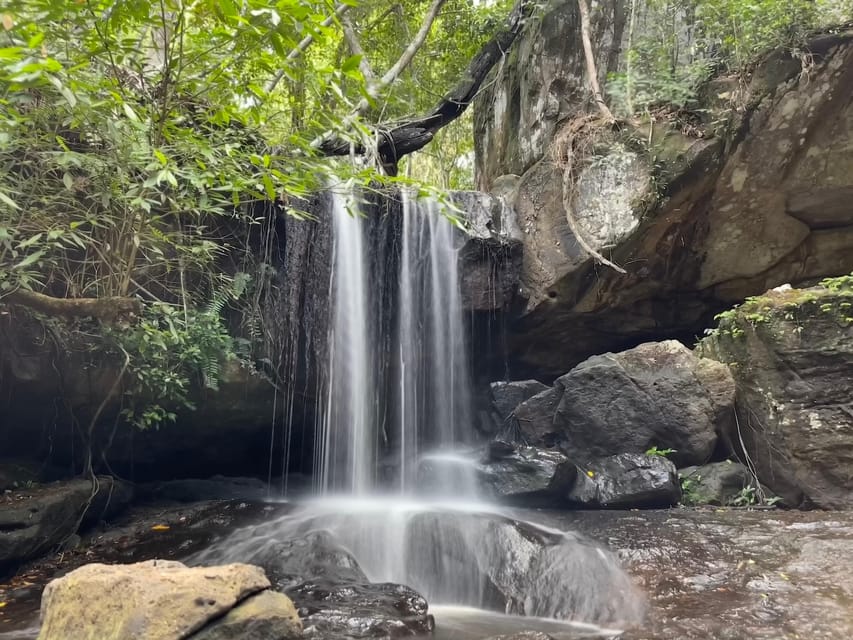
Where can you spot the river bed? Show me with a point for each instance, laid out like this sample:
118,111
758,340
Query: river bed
722,574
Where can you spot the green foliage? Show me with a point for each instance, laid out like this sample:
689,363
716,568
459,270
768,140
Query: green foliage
738,30
135,138
840,284
654,451
691,494
169,351
674,45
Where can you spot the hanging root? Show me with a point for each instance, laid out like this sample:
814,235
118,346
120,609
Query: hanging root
572,145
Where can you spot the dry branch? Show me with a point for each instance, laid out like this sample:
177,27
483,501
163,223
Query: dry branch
109,309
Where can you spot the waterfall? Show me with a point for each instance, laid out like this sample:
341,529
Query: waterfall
431,404
434,399
346,444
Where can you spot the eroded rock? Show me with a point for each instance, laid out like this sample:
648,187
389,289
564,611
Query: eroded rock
791,354
753,197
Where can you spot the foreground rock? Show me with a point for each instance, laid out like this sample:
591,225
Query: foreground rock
289,563
165,600
791,353
360,610
332,594
626,481
32,521
519,568
264,616
658,394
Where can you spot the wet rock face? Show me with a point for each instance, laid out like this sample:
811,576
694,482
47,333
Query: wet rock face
791,354
491,252
526,475
506,396
539,85
334,597
360,610
749,205
627,480
35,520
655,395
290,562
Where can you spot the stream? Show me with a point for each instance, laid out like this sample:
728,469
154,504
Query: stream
726,574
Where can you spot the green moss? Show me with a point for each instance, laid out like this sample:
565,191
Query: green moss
832,297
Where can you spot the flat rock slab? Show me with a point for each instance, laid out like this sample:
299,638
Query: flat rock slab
152,600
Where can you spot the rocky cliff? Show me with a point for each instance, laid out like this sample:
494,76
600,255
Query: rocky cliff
750,191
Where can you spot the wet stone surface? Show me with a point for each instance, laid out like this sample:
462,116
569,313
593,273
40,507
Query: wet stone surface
726,574
733,574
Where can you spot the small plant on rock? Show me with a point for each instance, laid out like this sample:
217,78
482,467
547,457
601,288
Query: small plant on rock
654,451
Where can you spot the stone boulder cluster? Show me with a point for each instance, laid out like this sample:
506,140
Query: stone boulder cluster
612,431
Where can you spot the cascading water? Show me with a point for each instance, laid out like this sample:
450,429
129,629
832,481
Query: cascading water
346,452
437,537
434,399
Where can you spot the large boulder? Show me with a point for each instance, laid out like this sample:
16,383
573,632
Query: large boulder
519,568
791,354
267,615
34,520
291,562
655,395
163,600
334,597
533,420
627,481
754,194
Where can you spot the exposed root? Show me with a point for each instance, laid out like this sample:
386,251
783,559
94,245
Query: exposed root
572,145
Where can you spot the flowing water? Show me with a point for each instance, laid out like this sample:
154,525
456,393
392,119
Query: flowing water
346,451
398,484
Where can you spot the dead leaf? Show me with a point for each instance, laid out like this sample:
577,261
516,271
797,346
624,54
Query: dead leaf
8,21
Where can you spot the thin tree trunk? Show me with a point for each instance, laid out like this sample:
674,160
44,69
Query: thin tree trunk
591,71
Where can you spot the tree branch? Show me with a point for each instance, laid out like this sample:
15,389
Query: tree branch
297,51
356,49
107,309
591,71
396,139
407,56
